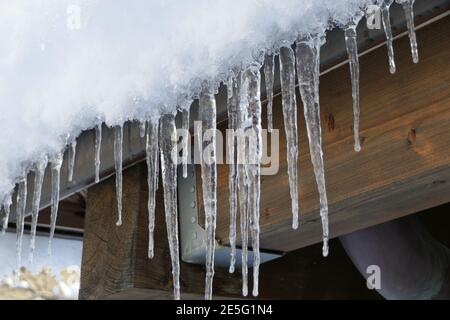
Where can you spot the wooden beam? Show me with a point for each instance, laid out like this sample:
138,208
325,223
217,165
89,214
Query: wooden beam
115,263
404,165
403,168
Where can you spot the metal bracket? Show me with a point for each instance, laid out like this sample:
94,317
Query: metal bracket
193,236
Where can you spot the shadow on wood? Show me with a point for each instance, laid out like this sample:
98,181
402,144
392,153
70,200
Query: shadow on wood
115,263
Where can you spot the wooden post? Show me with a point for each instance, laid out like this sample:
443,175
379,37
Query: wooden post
115,263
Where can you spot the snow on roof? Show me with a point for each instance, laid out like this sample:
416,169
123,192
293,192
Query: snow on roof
66,65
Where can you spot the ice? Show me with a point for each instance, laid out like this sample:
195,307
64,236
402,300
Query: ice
287,77
269,70
82,77
55,165
186,140
352,50
39,171
152,153
118,142
385,17
6,204
21,206
308,71
251,82
232,105
168,142
142,129
242,122
71,159
408,7
207,110
97,147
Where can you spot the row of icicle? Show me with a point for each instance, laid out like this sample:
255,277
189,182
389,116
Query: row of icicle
244,113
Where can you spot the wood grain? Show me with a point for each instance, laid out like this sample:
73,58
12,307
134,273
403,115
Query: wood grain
115,263
404,165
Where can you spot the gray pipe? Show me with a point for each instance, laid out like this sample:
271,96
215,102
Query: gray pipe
413,265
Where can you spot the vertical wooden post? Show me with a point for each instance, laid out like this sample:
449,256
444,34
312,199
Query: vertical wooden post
115,263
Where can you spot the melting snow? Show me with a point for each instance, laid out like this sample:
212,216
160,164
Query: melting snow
70,65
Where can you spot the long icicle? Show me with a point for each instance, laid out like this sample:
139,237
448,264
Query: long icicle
71,159
168,147
118,142
243,121
98,145
251,82
186,139
39,171
21,206
386,18
152,153
232,104
269,70
408,7
7,201
287,77
55,165
352,50
308,71
207,109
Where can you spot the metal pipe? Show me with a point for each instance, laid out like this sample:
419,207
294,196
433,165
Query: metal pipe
412,264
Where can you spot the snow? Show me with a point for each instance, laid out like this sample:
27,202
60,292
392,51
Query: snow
65,65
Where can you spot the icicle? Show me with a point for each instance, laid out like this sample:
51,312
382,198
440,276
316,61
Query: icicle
243,195
251,82
98,145
269,70
21,206
142,129
185,127
287,77
352,50
39,171
207,108
308,70
118,141
232,105
168,144
152,173
7,208
71,159
385,17
242,122
408,7
56,164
